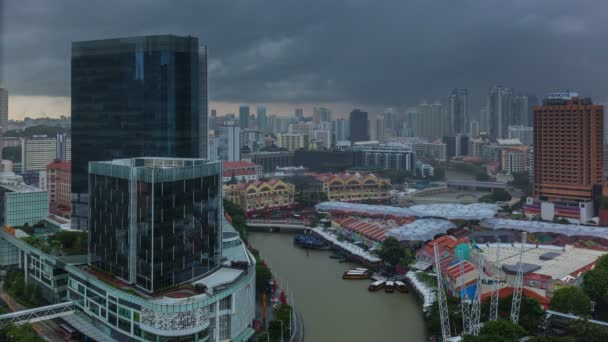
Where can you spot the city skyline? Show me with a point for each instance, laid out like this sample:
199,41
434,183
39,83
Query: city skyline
272,66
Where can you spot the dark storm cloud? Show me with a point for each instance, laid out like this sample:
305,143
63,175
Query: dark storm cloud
378,53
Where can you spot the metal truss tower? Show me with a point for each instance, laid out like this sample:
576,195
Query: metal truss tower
496,285
518,286
441,298
476,304
464,305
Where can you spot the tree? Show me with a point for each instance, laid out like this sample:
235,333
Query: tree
438,174
21,333
531,313
501,195
571,299
263,276
482,177
432,316
586,331
391,251
502,328
596,283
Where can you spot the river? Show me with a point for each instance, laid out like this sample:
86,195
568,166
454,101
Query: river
334,309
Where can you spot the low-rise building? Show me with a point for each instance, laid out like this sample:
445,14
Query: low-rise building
21,204
261,195
514,161
355,187
241,171
431,150
271,160
293,141
384,156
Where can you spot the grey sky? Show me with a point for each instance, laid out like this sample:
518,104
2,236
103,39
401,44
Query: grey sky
389,53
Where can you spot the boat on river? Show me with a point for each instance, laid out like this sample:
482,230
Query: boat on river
377,285
401,287
389,287
355,275
309,241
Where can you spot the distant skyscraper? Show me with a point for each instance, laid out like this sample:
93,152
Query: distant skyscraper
262,119
428,121
3,116
341,130
137,96
229,141
321,116
379,129
503,110
359,126
523,133
571,172
244,116
458,111
474,128
299,114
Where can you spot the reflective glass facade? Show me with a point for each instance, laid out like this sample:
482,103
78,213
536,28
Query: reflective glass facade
140,96
155,222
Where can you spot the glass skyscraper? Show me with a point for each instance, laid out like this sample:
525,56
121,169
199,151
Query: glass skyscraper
138,96
155,222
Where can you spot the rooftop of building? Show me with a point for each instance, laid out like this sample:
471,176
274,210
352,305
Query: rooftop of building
155,162
14,183
564,263
229,165
474,211
257,183
60,165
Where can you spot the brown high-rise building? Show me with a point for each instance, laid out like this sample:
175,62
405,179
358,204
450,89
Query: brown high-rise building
568,149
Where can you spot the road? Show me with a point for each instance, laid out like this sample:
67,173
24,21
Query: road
48,330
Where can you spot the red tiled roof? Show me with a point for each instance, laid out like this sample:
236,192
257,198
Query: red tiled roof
238,164
454,270
507,291
239,172
366,229
60,165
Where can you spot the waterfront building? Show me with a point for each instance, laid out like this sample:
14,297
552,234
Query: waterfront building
458,111
359,126
383,156
58,185
573,171
456,146
270,161
244,117
523,133
135,96
433,150
355,187
21,204
261,195
241,171
293,141
341,130
37,152
228,141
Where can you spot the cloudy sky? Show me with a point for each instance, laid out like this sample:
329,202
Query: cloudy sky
366,53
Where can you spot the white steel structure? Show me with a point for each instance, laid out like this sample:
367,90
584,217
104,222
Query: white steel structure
496,286
518,286
476,303
464,305
443,304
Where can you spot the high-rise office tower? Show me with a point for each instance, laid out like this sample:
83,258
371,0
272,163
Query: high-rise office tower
3,116
568,148
520,114
244,116
500,111
359,126
262,119
299,112
341,127
458,111
379,128
137,96
473,128
228,141
138,236
63,147
37,153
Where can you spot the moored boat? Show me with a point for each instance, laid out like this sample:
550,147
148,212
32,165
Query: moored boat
355,275
377,285
389,287
309,241
401,287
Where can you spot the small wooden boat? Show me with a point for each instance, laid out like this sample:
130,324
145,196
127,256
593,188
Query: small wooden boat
377,285
401,287
355,275
333,256
389,287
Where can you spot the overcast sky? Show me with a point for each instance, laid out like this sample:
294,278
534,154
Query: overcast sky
368,53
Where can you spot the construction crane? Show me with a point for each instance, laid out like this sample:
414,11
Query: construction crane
441,298
519,280
464,306
476,303
496,285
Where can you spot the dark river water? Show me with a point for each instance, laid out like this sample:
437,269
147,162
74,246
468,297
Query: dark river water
334,309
